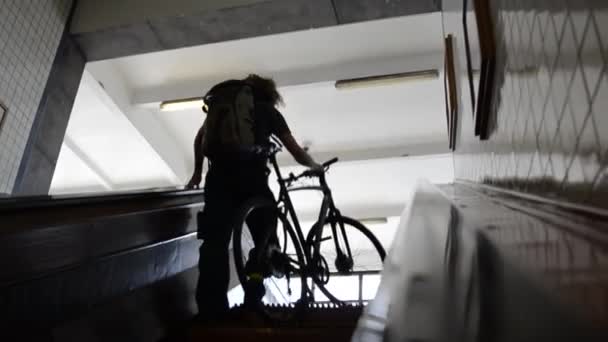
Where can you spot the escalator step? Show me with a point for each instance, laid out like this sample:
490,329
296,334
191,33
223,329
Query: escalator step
319,323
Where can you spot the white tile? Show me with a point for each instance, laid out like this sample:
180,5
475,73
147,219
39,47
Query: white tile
29,36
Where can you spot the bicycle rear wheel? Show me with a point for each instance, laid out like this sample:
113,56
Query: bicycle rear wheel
343,271
283,281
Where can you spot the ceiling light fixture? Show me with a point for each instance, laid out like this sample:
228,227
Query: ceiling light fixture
182,104
369,81
374,220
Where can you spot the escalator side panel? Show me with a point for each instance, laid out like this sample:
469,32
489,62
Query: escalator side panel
448,277
34,253
48,301
63,259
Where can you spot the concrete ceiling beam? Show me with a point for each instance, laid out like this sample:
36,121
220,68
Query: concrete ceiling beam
121,28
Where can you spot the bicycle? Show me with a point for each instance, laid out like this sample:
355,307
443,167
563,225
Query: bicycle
305,257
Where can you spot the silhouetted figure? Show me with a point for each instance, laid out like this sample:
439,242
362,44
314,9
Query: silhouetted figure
241,117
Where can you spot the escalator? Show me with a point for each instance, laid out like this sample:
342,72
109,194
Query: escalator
122,267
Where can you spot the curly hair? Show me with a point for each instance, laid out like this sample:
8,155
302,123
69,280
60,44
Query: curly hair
265,89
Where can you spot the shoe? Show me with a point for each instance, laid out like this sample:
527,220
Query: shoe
254,292
274,262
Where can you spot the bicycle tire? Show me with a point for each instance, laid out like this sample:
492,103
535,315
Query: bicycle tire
348,222
238,248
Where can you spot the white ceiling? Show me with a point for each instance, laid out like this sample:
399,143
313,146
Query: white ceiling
397,117
126,142
406,118
292,58
375,117
103,151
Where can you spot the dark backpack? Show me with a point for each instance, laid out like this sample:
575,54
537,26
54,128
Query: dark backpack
230,121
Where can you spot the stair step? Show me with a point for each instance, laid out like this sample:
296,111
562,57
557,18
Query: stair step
333,324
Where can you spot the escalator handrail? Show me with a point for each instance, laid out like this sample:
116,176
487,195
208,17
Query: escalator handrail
30,202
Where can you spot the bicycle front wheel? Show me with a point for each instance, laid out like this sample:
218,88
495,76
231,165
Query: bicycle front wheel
351,258
282,256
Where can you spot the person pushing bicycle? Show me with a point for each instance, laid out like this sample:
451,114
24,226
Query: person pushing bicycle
241,118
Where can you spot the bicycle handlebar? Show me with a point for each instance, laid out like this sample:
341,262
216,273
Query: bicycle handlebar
310,173
277,147
330,162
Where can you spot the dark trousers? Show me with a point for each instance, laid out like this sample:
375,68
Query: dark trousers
226,190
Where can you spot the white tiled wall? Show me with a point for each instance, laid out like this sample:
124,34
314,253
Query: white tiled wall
550,124
30,31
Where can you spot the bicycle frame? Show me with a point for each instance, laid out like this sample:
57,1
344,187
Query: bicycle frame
328,210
